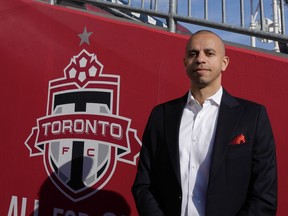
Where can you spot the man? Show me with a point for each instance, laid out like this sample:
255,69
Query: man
207,153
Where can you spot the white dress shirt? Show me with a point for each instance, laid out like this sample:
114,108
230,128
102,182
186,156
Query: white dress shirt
196,138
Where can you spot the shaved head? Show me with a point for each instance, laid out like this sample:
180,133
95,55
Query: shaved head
221,42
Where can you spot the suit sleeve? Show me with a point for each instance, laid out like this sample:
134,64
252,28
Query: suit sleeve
262,196
145,200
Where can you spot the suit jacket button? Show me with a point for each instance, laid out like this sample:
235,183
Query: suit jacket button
180,197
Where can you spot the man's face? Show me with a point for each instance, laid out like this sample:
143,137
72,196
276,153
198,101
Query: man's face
205,60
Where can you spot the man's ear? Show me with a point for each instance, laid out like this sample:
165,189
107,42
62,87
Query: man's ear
184,61
225,63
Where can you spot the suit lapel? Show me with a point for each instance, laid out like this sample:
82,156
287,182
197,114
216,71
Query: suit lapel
229,115
173,114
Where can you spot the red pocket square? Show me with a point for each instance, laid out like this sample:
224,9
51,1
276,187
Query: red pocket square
240,139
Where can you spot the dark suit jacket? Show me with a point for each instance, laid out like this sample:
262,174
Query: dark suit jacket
243,178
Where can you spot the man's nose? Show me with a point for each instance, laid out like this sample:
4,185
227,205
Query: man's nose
200,57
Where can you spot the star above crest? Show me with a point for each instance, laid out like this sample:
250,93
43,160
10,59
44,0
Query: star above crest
85,37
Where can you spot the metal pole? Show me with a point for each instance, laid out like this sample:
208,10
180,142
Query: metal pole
172,12
252,25
262,16
156,5
223,11
282,21
275,22
242,13
189,7
206,9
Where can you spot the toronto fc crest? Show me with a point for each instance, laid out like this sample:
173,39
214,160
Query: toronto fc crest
83,137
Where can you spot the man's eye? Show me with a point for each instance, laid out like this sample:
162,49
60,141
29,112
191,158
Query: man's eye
191,54
210,53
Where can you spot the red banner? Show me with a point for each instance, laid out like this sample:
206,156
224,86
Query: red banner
112,130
